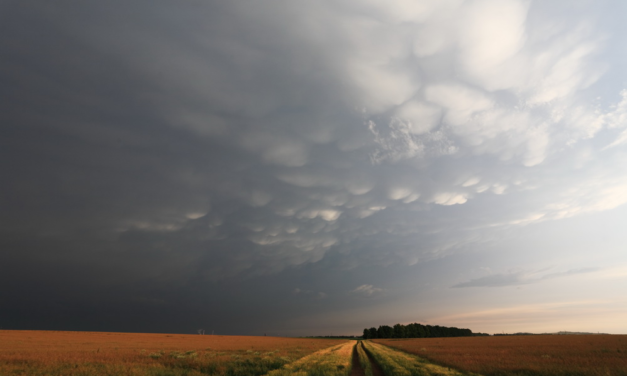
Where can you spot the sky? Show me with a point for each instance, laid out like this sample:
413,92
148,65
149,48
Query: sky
317,167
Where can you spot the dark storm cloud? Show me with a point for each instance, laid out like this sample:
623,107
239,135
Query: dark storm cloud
218,157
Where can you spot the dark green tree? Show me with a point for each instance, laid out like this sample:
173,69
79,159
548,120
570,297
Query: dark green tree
373,333
385,331
415,330
411,331
399,331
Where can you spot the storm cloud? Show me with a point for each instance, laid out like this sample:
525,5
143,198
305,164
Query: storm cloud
171,164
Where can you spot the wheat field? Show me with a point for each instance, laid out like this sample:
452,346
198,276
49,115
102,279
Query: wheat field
93,353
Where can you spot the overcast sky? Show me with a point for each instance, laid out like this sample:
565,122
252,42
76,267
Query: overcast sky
313,167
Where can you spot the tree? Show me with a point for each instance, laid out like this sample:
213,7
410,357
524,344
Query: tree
411,331
373,333
399,331
385,331
415,330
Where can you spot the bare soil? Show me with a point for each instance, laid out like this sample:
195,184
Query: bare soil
356,369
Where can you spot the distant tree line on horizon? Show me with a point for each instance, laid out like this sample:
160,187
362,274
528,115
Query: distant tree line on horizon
415,330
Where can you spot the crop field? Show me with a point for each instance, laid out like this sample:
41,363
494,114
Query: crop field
92,353
333,361
540,355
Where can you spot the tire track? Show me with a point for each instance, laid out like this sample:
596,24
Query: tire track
376,369
358,370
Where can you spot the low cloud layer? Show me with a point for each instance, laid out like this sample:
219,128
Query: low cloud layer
520,278
171,146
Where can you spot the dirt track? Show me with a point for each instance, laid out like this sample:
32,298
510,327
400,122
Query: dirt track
357,369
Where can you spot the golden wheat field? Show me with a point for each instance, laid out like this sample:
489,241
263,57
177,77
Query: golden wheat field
523,355
93,353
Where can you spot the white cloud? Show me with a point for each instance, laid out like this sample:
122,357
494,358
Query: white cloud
366,290
472,181
449,198
371,62
565,76
329,214
617,118
398,193
491,31
420,117
394,142
195,215
461,103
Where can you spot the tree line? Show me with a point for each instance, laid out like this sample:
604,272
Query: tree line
415,330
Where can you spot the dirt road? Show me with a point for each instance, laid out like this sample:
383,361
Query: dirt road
358,370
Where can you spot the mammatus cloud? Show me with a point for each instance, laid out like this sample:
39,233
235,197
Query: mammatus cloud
304,142
520,278
208,142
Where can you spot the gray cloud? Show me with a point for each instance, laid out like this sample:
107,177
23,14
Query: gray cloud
168,146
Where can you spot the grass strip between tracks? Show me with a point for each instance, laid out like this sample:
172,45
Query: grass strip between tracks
363,359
